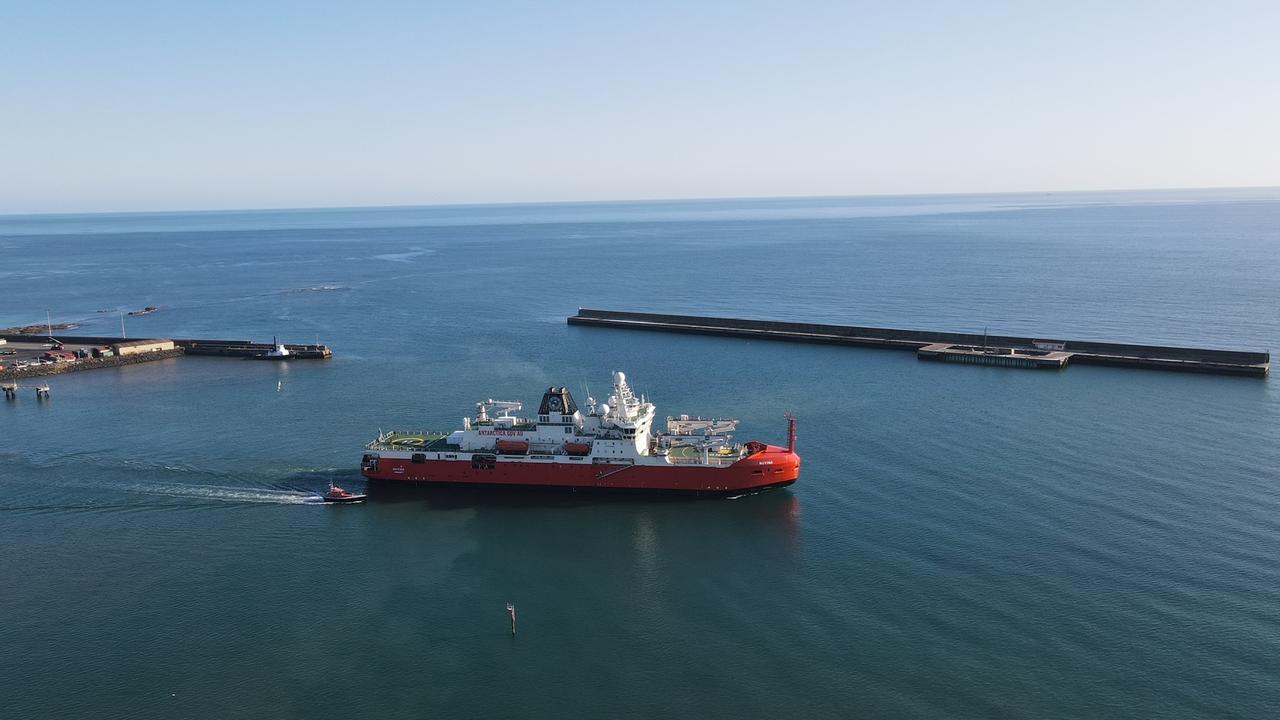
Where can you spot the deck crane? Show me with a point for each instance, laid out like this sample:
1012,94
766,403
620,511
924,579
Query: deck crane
504,408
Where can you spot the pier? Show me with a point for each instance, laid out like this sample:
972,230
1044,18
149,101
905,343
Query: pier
245,348
1000,356
973,348
11,390
28,355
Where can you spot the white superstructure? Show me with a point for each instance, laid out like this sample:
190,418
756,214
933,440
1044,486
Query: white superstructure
618,430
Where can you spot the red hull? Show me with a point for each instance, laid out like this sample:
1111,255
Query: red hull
774,466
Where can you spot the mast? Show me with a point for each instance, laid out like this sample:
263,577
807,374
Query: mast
791,432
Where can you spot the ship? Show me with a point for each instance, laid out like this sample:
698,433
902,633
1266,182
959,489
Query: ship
612,446
277,352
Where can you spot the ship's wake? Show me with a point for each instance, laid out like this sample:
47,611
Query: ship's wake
227,493
318,289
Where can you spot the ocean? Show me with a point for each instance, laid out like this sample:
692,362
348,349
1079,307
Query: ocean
964,542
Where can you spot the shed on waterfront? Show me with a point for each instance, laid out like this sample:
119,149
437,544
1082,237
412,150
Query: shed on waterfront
137,347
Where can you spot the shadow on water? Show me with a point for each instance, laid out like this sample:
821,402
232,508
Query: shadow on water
456,497
773,509
773,513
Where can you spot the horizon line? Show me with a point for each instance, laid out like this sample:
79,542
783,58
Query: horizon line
621,201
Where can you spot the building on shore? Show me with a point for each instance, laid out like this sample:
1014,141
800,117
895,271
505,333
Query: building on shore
137,347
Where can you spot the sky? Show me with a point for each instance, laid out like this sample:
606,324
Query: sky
131,106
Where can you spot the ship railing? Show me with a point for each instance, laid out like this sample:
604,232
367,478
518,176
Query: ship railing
429,447
383,441
410,433
522,425
717,460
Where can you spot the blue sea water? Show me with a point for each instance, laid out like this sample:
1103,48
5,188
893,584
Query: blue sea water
963,542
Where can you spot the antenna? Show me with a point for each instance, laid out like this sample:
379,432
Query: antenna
48,317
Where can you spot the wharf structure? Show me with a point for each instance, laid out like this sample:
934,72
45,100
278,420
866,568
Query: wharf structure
1002,350
41,355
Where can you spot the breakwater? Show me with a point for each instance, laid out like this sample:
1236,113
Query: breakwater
224,348
35,356
1084,352
245,348
32,371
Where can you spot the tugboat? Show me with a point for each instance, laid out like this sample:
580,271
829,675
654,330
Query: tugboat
613,445
279,352
338,495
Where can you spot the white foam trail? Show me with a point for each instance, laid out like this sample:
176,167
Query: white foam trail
226,493
404,257
319,288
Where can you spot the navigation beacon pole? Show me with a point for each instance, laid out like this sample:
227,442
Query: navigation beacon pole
512,610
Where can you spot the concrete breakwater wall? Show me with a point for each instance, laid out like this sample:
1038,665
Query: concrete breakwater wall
108,351
73,339
245,348
221,348
1231,362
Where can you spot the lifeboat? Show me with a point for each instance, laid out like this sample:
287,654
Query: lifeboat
512,447
577,448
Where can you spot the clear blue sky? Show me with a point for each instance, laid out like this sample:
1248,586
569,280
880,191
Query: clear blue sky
165,105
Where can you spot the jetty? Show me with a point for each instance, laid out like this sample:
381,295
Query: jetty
245,348
29,355
971,348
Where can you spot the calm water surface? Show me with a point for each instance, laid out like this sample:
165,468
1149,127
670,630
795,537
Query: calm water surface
963,542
